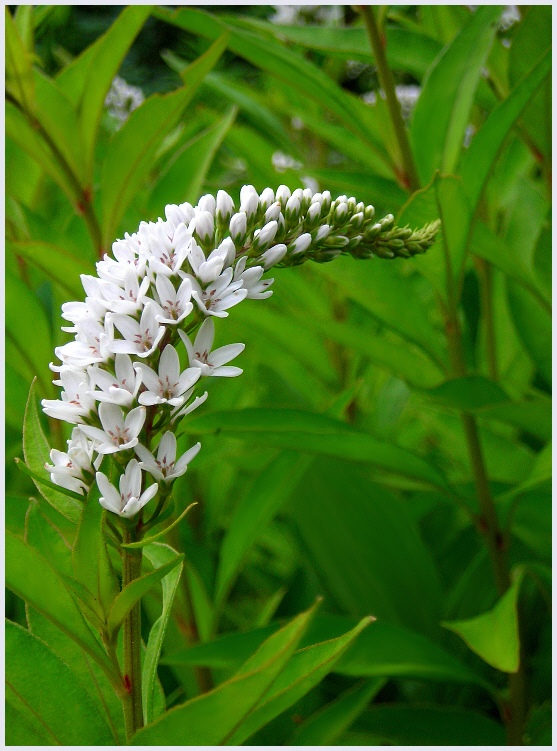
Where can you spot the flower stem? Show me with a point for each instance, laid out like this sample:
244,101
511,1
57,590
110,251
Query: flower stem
410,176
132,702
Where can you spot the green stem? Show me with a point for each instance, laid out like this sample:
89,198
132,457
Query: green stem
410,176
485,278
132,701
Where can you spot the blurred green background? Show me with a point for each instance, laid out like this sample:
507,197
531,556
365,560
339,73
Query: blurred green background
383,513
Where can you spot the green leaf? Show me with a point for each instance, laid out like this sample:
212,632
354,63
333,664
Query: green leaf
427,726
494,635
306,668
36,451
363,546
325,726
267,495
30,576
47,540
158,554
288,67
91,564
148,540
533,325
56,263
313,433
27,328
134,591
442,112
477,162
88,672
211,719
407,50
384,651
131,153
19,66
96,75
48,694
185,175
467,393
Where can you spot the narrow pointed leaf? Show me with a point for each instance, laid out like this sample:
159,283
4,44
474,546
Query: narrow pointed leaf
56,263
162,533
129,596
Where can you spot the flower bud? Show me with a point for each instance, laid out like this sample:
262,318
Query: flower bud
188,211
337,241
387,223
325,203
292,210
228,250
322,233
207,203
225,206
372,232
356,221
351,204
313,216
266,235
273,256
249,200
317,198
272,212
301,244
174,215
369,212
204,226
360,207
266,199
238,227
283,194
341,213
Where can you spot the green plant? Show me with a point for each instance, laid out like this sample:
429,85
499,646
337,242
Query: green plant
388,443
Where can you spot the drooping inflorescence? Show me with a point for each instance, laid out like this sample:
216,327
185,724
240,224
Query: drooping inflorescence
144,334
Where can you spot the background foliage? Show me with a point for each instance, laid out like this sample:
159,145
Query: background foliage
388,446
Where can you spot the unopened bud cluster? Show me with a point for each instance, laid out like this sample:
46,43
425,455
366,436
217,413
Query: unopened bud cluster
134,366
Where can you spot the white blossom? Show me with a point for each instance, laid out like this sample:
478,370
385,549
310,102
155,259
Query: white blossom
128,500
168,385
211,363
141,338
165,467
118,432
120,388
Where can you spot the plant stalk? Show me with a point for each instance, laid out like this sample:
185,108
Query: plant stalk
485,278
132,701
410,175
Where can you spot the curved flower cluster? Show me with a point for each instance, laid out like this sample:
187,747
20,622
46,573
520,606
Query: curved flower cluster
134,366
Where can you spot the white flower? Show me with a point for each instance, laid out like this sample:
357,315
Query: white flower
128,500
250,279
207,270
174,304
165,467
220,295
120,388
169,386
168,246
92,344
141,338
70,469
76,402
118,432
183,411
211,363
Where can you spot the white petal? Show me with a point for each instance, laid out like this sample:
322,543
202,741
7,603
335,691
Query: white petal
167,448
227,371
148,495
224,354
135,419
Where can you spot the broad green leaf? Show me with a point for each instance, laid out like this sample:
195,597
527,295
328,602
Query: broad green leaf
130,154
20,83
87,671
27,328
17,380
22,728
363,547
532,36
56,263
384,651
288,67
306,668
325,726
467,393
477,162
43,536
25,23
494,635
42,688
15,510
103,64
36,451
406,50
255,510
211,719
394,296
313,433
27,138
428,726
442,112
533,325
185,175
58,119
134,591
91,564
30,576
532,416
158,554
